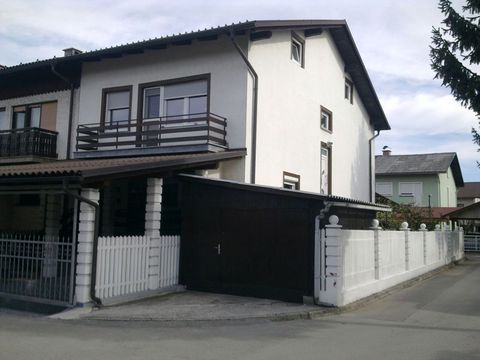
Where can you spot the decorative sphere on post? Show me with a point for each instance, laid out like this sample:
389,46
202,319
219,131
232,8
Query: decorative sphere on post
375,223
437,227
333,220
423,227
404,225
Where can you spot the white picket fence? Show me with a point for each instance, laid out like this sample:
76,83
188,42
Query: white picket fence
353,264
123,264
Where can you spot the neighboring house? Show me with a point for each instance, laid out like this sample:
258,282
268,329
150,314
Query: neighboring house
468,194
423,180
286,104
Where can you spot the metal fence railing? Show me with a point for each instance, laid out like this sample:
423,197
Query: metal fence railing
472,242
37,268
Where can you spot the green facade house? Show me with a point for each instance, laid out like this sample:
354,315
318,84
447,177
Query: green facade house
423,180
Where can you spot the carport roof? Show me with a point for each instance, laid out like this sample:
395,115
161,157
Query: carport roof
90,170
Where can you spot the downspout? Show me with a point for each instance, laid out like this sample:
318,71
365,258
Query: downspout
372,199
254,106
93,280
70,111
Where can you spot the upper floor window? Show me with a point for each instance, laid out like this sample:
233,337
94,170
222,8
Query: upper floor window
298,50
117,104
325,119
291,181
384,188
174,100
42,115
349,90
3,119
26,116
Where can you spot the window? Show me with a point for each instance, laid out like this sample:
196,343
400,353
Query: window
385,189
3,119
26,116
175,101
117,102
411,189
325,119
325,169
349,90
298,50
291,181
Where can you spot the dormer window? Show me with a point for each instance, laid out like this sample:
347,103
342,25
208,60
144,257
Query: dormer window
349,90
298,47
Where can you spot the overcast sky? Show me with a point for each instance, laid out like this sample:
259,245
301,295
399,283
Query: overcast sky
393,38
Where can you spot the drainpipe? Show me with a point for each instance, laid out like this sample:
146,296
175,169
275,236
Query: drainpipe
93,280
70,111
372,199
254,105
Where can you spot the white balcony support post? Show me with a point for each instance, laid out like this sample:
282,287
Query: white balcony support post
153,210
405,229
86,231
376,247
53,213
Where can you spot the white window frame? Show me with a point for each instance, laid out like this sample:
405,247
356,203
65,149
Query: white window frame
291,181
387,184
327,112
298,43
348,89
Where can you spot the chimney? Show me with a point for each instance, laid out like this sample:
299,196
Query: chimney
71,51
386,151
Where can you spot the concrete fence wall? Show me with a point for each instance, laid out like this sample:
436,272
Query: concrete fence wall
353,264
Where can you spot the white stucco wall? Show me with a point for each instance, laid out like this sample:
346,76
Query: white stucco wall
448,189
228,83
289,132
63,108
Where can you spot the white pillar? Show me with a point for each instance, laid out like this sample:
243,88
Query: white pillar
332,292
376,247
153,210
423,229
439,240
86,229
405,229
53,213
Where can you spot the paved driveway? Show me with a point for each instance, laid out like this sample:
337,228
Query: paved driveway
435,319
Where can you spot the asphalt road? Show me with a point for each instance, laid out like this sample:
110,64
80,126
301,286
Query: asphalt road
436,319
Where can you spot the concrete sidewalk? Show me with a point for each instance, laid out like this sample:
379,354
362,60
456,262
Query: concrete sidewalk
202,306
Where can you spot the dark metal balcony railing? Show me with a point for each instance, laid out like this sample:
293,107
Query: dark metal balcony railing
180,130
28,142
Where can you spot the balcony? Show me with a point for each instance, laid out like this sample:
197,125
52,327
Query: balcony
27,145
203,132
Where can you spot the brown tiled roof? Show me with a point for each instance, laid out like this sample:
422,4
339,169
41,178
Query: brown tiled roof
93,168
469,190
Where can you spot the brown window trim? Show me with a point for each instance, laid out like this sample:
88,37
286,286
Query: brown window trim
300,40
329,148
105,91
143,86
330,124
291,175
27,107
350,83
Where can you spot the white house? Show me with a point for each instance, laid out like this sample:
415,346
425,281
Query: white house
275,103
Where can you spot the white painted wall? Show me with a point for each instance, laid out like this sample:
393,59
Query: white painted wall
289,133
448,189
228,86
63,109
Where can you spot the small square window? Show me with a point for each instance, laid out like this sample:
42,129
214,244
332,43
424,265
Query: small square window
297,54
291,181
349,90
325,119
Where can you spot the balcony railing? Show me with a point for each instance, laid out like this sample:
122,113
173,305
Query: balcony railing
168,131
28,142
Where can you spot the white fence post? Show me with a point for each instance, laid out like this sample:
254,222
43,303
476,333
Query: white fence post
86,229
153,210
333,278
405,229
423,229
376,247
